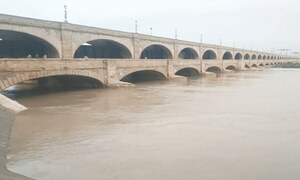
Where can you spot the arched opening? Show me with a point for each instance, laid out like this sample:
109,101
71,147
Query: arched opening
188,72
143,76
261,65
231,68
49,84
247,66
268,58
227,56
259,57
22,45
264,57
209,54
254,65
247,57
253,57
188,53
214,69
272,57
267,64
156,52
238,56
102,48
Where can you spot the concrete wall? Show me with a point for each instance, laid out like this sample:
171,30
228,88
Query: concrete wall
8,110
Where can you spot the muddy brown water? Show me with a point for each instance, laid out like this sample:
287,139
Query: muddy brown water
238,126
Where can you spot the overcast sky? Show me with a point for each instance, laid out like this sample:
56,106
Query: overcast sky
254,24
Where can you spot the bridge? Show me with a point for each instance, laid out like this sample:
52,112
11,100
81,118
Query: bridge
33,49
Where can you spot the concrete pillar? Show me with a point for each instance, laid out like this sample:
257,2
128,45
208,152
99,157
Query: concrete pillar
66,41
112,79
136,47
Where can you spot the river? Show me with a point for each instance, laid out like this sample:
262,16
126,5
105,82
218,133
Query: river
242,125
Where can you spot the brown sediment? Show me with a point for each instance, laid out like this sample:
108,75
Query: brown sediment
8,110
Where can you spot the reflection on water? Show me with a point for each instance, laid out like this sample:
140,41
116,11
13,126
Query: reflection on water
238,126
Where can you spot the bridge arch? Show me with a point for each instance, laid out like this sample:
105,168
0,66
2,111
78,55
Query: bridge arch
247,56
156,51
231,67
214,69
259,57
18,78
103,48
188,53
143,75
254,65
209,55
188,72
238,56
16,44
247,66
227,56
264,57
253,57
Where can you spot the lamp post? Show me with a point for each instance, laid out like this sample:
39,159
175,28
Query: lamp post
151,31
136,26
66,13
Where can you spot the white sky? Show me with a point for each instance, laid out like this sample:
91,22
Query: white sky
265,25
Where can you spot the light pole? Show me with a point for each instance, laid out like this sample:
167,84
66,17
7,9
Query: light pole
151,31
136,26
66,13
201,38
176,33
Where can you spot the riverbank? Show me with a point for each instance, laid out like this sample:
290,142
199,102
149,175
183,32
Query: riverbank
287,65
8,110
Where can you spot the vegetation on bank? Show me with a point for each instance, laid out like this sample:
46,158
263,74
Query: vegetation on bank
287,65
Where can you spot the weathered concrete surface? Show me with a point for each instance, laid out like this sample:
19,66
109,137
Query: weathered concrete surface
8,110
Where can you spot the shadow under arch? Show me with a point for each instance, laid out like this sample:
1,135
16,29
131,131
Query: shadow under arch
254,65
247,66
231,67
209,55
103,48
50,84
259,57
214,69
188,53
238,56
143,76
188,72
156,51
247,56
227,56
16,44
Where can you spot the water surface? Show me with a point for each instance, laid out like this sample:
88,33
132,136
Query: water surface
238,126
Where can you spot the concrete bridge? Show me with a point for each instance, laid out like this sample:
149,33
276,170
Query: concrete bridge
36,49
31,49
